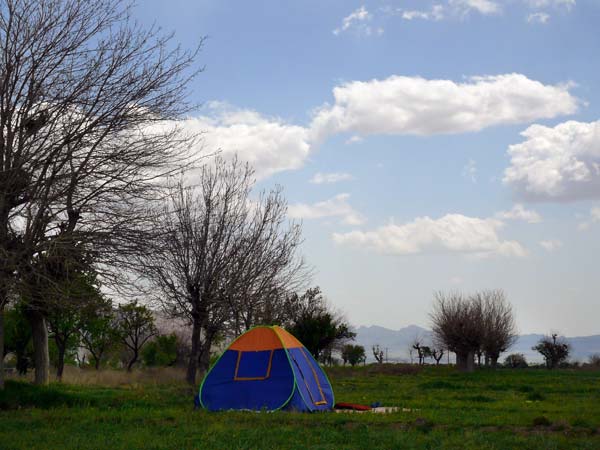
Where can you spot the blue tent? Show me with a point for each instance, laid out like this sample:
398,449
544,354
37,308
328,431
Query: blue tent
268,369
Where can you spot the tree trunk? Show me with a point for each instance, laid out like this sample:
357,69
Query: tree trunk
132,361
204,362
61,347
1,347
194,353
465,361
41,358
97,363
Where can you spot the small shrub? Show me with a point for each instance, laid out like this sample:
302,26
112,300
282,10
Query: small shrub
535,396
525,388
423,425
541,421
516,361
162,351
559,426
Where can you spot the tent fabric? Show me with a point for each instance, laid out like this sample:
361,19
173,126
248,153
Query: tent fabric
268,369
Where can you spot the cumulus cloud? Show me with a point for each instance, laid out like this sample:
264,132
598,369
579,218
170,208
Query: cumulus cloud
518,212
269,144
454,233
560,163
418,106
551,245
359,21
336,207
329,178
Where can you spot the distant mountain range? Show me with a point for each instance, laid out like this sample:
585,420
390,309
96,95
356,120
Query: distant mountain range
397,343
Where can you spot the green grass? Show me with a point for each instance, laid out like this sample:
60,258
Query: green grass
440,409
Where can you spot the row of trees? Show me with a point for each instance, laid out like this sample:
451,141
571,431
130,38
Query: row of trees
482,325
95,331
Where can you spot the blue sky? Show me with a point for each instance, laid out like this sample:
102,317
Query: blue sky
426,146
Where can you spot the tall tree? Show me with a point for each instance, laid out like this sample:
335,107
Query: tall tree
500,329
217,247
457,323
81,88
97,329
316,325
76,298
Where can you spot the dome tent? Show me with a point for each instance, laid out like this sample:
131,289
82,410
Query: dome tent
266,368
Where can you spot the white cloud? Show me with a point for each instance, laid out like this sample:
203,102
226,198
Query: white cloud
269,144
470,171
337,206
436,13
518,212
453,8
539,4
329,178
456,280
485,7
451,233
418,106
538,17
359,21
542,16
551,245
556,163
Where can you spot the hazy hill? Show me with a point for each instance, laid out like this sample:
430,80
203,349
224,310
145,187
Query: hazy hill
397,342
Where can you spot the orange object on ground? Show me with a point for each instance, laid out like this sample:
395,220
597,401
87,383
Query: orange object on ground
352,406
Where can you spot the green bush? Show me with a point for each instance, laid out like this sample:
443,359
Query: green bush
162,351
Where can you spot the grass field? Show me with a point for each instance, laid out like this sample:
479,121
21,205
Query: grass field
501,409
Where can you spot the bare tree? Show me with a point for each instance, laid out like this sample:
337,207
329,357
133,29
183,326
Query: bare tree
220,257
500,330
377,353
457,323
81,89
417,344
437,354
